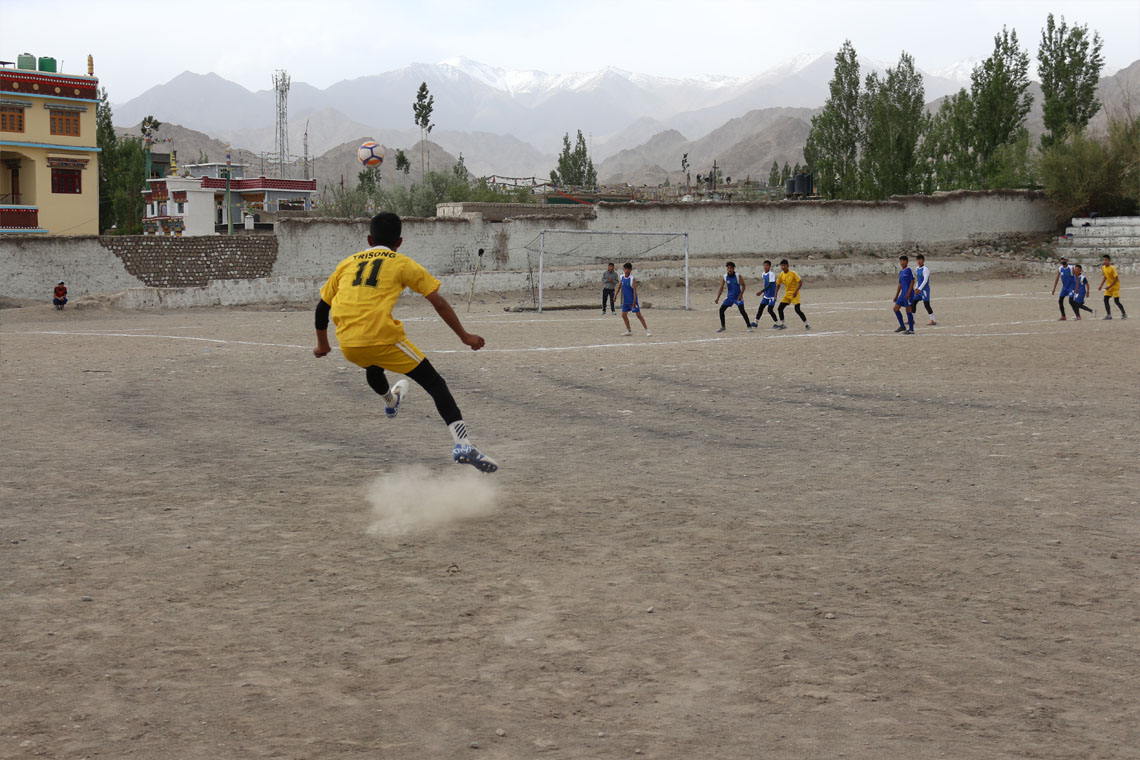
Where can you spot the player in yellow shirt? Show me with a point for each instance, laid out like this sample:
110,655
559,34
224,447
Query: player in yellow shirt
360,296
1111,287
791,283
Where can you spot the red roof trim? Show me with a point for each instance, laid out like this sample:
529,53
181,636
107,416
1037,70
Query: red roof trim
261,183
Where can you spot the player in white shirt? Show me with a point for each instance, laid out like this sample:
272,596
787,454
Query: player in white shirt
922,288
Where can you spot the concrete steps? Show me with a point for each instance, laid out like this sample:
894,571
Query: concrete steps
1087,240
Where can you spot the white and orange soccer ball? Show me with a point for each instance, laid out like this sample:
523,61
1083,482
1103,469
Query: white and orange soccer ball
370,154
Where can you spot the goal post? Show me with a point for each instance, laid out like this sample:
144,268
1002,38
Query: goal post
633,249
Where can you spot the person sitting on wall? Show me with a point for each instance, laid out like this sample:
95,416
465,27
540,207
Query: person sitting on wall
60,296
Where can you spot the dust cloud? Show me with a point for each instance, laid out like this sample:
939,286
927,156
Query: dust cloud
412,499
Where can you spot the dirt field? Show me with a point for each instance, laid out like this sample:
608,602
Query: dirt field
844,543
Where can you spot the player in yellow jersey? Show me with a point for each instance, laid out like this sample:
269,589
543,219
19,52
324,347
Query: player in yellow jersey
360,296
1111,287
791,283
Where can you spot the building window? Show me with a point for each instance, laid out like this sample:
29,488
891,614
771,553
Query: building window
181,208
11,119
67,181
65,123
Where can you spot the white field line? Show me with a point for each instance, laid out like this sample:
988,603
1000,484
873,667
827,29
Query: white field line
947,331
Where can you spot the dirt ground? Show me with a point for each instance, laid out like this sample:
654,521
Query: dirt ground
843,543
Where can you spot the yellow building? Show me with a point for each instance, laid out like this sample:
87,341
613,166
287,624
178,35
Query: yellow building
49,162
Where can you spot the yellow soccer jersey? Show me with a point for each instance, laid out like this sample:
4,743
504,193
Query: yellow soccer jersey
363,291
791,282
1111,281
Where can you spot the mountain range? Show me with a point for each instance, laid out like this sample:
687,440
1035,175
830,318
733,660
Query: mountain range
511,123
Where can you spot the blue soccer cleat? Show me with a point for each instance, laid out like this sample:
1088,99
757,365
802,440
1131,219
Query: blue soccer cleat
465,453
399,390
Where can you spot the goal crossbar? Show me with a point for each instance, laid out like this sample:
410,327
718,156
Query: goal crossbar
542,250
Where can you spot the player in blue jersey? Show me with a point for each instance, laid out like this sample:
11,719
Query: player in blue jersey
1068,280
903,297
767,296
629,299
735,297
922,288
1080,292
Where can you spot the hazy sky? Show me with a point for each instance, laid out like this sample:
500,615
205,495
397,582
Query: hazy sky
141,44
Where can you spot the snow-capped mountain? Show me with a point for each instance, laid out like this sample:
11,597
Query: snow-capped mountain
958,72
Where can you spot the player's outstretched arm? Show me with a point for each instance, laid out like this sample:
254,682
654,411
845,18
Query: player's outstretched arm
451,319
321,322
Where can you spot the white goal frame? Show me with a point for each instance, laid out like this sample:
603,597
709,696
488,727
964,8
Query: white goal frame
542,251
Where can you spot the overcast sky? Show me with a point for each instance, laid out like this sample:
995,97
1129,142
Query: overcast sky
141,44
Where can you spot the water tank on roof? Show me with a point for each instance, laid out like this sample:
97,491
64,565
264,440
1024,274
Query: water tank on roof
789,186
47,63
26,61
801,184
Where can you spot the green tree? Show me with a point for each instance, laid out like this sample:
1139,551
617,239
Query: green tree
422,108
785,173
832,148
774,175
1069,64
402,162
1081,173
894,120
369,179
575,168
1000,100
460,170
949,162
121,174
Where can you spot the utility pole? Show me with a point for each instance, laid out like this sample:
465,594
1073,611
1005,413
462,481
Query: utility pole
229,206
306,142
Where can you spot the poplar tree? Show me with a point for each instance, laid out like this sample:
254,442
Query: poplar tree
832,148
893,121
1069,65
422,108
574,165
1000,102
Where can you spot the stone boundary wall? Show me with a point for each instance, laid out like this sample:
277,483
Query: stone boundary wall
307,249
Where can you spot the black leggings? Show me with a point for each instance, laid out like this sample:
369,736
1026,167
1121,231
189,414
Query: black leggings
1108,310
425,375
929,310
1061,303
799,311
771,312
724,306
1077,308
608,293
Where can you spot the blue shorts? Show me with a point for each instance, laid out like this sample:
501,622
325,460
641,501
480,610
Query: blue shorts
734,301
1065,293
634,307
919,296
902,300
767,301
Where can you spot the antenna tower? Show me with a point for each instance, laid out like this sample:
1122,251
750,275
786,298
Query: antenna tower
281,85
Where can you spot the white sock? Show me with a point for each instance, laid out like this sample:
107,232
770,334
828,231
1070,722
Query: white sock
459,432
390,398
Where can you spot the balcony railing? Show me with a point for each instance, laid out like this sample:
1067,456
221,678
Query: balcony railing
10,199
19,218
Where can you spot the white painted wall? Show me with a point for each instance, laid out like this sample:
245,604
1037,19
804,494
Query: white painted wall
309,249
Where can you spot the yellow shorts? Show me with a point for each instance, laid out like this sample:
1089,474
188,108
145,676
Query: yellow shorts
1114,291
400,357
793,300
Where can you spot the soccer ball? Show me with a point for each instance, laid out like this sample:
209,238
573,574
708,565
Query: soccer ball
369,154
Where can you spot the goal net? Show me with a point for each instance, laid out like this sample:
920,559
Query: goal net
571,258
